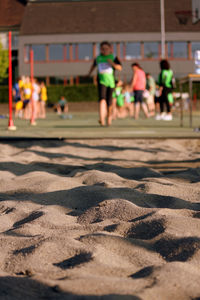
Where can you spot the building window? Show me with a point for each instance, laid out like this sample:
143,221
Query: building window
67,52
39,52
133,50
180,50
56,52
114,49
97,49
118,50
151,49
74,52
195,47
170,49
121,50
85,51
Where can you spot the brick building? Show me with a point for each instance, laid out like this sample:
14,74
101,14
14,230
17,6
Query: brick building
11,14
65,35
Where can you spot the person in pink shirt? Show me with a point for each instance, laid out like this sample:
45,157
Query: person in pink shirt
138,84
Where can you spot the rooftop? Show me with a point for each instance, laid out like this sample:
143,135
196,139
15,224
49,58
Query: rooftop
11,13
103,16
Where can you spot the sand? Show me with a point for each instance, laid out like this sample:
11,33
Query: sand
105,219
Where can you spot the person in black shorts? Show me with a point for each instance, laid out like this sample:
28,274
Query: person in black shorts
106,64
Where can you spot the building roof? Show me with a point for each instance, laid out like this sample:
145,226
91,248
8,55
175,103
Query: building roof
11,13
64,17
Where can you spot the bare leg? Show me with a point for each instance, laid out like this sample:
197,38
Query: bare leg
151,107
27,111
66,108
122,112
114,109
145,110
39,113
110,115
102,111
130,107
137,110
58,109
43,110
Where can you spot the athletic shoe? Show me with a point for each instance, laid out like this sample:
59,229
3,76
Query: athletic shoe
160,116
167,117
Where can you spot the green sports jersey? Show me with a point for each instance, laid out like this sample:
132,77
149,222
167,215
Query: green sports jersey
165,78
117,91
120,100
105,70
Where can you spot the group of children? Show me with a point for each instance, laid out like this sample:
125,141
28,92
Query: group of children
118,100
123,99
30,98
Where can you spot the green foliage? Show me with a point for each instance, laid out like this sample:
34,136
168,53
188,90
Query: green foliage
3,63
185,88
3,94
75,93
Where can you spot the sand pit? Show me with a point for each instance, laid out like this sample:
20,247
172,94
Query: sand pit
105,219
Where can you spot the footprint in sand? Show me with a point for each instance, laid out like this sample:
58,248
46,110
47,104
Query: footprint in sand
77,260
111,228
146,230
177,249
33,216
25,251
144,272
6,210
196,215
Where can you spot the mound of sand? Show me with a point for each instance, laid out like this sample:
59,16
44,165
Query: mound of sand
105,219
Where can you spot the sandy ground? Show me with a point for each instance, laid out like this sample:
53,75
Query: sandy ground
100,219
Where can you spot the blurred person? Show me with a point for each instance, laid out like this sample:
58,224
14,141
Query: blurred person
151,88
106,64
129,100
27,92
116,92
120,97
165,82
138,84
17,99
157,100
21,82
43,100
62,106
35,98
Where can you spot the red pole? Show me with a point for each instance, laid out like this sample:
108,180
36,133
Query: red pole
10,122
32,121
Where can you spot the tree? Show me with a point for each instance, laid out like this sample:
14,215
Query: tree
3,63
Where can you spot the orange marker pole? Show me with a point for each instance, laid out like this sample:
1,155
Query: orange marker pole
32,121
10,122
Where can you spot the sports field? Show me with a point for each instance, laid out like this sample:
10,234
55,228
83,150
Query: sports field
85,125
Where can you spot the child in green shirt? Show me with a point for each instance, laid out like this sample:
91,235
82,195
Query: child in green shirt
106,64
